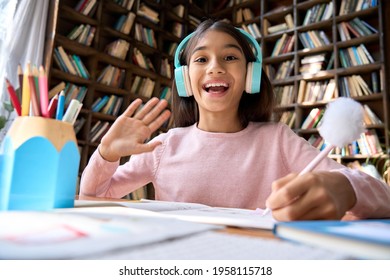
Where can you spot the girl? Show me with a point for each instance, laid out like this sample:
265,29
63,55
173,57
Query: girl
224,150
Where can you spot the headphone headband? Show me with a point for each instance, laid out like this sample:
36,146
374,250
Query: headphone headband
249,37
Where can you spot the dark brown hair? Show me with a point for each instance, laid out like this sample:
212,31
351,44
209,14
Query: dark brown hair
253,107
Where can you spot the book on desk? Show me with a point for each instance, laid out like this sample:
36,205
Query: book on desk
363,239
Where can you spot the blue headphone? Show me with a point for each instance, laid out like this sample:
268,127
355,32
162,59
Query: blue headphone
253,72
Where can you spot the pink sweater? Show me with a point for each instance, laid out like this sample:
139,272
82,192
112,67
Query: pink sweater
224,169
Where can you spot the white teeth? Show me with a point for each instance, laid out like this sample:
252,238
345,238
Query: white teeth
216,85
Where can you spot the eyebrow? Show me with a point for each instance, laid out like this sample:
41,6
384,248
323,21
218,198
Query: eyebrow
227,46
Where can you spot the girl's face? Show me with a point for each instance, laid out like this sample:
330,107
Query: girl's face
217,71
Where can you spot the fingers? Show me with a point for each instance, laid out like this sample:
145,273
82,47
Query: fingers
132,108
159,121
285,191
152,111
305,197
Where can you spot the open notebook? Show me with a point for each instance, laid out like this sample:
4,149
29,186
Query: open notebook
88,232
195,212
126,233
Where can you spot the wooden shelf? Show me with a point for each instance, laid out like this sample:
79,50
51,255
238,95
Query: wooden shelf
275,11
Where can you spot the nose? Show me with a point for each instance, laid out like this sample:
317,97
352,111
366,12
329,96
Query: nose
215,67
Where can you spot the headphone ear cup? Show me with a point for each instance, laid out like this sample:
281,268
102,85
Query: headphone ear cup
253,77
182,80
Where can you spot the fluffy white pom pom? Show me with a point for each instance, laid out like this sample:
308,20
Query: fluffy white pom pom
342,122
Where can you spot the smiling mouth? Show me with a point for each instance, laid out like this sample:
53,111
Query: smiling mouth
216,87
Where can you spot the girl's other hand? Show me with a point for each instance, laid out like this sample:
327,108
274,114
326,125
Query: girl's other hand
312,196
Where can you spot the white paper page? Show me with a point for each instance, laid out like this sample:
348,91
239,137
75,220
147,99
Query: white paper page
221,246
78,233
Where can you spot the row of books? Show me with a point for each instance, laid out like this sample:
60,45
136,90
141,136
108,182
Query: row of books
70,63
142,60
166,93
326,90
73,91
98,130
253,29
283,45
148,13
78,125
312,64
125,23
355,28
142,86
367,144
166,68
354,86
179,10
288,118
369,116
127,4
349,6
318,38
318,13
355,55
316,141
83,34
118,48
177,29
284,70
244,14
316,91
314,39
276,28
313,119
86,7
284,95
321,12
112,76
109,105
145,35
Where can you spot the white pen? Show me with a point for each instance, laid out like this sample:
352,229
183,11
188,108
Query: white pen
342,124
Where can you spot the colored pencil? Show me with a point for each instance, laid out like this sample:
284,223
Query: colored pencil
20,78
43,93
26,97
14,97
60,106
33,93
52,106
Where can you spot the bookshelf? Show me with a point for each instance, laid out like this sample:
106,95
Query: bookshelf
325,60
282,27
123,51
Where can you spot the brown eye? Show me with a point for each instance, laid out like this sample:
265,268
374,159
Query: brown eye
230,57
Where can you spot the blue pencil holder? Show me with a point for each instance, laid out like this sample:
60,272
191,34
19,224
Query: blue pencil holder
39,163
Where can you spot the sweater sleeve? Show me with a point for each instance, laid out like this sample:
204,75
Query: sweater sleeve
373,195
102,178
